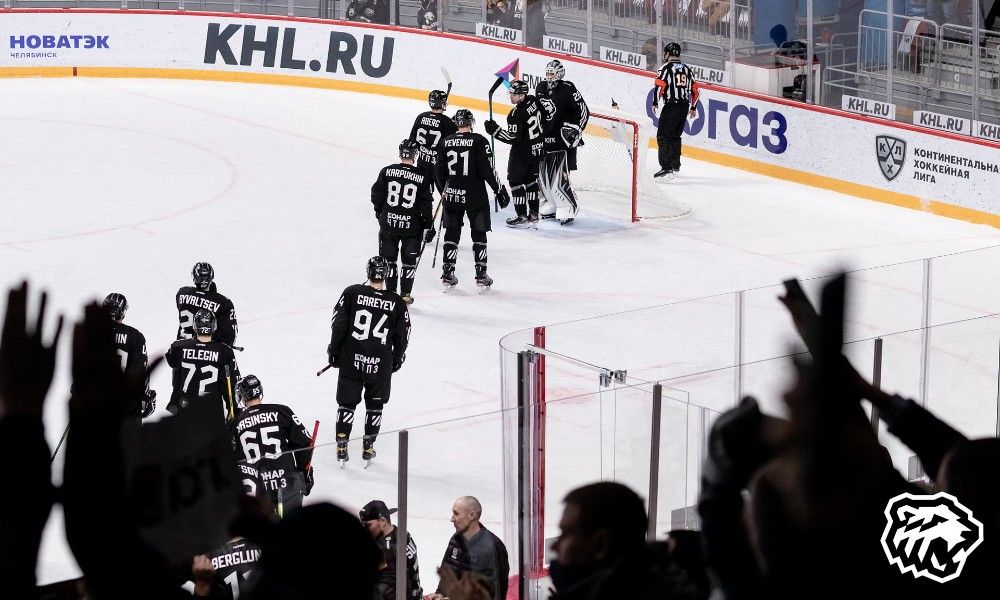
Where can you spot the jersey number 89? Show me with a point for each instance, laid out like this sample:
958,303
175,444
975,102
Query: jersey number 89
407,191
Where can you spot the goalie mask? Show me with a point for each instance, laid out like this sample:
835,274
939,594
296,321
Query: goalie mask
554,72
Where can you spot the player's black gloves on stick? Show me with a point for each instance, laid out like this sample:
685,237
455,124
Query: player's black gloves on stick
429,235
148,404
397,362
491,126
332,357
310,480
503,197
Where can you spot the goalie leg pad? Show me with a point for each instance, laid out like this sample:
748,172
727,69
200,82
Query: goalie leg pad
554,183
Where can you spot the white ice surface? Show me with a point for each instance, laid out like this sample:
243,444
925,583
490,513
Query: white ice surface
120,185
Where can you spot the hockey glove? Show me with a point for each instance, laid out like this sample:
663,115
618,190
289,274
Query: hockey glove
332,357
429,235
491,126
503,197
397,362
310,480
570,134
148,403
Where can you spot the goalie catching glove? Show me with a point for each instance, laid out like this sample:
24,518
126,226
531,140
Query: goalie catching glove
571,135
503,197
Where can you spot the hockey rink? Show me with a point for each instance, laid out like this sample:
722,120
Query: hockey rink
122,185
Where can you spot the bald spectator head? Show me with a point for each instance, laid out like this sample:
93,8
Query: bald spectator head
465,514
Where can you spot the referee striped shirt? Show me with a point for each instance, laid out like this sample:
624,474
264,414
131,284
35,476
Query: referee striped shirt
675,83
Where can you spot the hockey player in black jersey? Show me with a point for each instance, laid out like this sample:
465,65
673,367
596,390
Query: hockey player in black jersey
430,127
370,332
464,169
566,116
274,440
402,200
524,133
131,347
234,563
203,368
205,295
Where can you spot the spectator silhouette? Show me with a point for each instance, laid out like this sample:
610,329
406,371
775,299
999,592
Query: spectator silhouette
601,551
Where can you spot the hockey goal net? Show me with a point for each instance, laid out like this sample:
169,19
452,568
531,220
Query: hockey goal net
613,172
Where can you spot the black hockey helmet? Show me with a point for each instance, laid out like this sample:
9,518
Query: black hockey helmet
518,87
204,322
250,388
437,99
378,268
408,149
464,118
116,305
672,49
203,275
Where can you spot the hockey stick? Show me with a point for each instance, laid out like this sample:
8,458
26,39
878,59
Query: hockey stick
229,388
238,348
447,78
312,444
61,440
493,89
496,84
323,370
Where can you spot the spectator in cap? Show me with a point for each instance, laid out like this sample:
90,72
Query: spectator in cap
375,516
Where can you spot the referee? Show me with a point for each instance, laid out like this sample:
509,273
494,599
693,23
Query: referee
676,86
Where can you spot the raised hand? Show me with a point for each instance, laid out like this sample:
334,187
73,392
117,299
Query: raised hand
26,362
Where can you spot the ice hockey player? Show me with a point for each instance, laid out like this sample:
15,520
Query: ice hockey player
233,562
566,116
203,368
525,134
369,333
375,516
131,347
402,200
205,295
273,439
430,127
464,169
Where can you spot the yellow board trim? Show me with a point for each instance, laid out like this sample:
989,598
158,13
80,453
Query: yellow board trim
811,179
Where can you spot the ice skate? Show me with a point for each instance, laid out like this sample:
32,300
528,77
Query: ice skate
368,451
342,457
483,280
448,279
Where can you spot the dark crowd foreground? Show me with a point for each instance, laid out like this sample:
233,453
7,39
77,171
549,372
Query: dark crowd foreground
789,508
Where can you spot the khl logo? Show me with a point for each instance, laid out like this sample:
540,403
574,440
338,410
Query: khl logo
930,536
891,152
